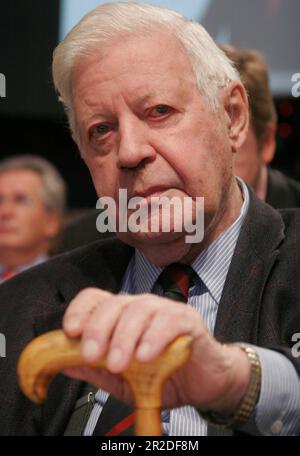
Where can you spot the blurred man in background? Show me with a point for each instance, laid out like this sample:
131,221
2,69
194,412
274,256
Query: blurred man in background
253,158
32,202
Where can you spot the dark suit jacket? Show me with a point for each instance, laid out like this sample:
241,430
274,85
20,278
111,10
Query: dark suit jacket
282,191
260,304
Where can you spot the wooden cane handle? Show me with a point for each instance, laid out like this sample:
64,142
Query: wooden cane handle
49,354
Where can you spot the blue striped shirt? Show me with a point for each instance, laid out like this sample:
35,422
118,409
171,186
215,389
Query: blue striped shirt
211,267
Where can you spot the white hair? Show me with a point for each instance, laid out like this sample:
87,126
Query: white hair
211,67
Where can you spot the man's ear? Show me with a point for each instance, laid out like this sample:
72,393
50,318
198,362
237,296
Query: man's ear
237,111
269,144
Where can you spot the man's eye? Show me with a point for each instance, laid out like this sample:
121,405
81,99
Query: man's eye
99,130
160,110
23,199
20,200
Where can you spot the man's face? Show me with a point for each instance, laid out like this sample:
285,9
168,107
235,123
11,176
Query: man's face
25,223
144,127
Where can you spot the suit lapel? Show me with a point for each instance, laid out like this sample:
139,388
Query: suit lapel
103,267
253,259
255,254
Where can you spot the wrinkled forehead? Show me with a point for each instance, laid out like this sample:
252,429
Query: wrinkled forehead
136,54
161,46
136,67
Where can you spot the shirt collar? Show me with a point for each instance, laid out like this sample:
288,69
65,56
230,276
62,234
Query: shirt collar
35,262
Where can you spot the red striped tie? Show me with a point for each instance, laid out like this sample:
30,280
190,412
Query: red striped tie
116,418
176,280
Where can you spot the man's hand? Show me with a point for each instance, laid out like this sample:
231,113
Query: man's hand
120,326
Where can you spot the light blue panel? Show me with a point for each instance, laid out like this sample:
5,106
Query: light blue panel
71,11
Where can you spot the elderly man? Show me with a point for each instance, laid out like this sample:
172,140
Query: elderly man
157,110
259,148
32,200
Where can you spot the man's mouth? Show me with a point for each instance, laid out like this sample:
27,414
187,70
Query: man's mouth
149,192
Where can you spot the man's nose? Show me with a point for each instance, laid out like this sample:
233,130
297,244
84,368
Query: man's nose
134,146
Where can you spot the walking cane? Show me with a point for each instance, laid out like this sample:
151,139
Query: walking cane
52,352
